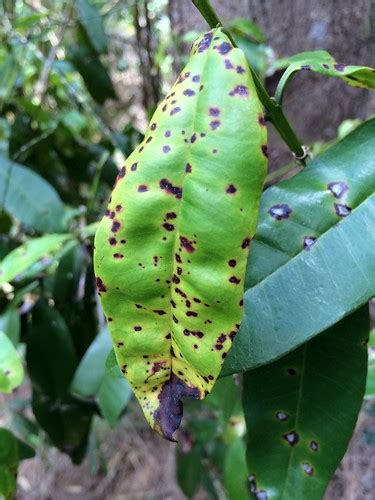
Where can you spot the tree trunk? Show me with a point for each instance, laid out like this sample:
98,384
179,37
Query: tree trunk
315,105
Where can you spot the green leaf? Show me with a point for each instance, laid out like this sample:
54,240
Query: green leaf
29,198
9,70
50,355
8,485
8,464
322,62
93,379
93,72
10,323
189,468
113,396
310,267
67,423
26,433
8,449
28,254
246,28
301,411
11,370
92,368
235,472
92,23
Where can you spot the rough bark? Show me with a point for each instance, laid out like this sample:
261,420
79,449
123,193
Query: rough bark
314,104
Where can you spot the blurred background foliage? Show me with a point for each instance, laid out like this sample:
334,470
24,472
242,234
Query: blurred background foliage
78,81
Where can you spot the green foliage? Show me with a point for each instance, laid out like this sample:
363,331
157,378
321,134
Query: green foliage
322,62
8,464
65,129
11,370
301,411
150,231
302,226
29,198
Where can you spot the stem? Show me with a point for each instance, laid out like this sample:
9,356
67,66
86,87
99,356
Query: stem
274,111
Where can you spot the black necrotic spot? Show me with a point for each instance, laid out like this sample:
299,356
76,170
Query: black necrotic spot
234,279
240,90
308,469
215,124
308,242
168,227
232,263
337,188
342,210
112,241
115,226
228,64
133,168
291,438
205,42
306,67
282,416
264,149
153,126
280,211
231,189
214,111
224,48
339,67
142,188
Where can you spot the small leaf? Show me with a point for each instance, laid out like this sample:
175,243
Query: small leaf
301,411
26,255
92,23
312,253
67,423
113,396
189,469
29,198
322,62
8,449
92,379
50,355
10,323
235,472
11,370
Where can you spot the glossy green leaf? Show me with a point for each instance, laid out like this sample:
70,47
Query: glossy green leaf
312,254
8,449
8,485
236,480
189,468
8,464
50,355
10,323
11,369
92,379
26,433
171,311
92,23
67,423
23,257
301,411
322,62
29,198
